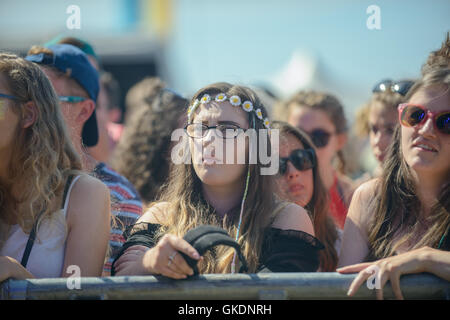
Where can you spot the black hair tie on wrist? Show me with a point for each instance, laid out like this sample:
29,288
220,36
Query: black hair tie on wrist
204,238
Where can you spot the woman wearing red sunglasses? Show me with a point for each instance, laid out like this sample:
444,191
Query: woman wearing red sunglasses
406,212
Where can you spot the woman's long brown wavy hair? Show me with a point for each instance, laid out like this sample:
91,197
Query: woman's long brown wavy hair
188,209
43,155
395,206
324,226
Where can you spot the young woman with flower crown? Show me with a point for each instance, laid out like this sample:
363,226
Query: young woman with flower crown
273,235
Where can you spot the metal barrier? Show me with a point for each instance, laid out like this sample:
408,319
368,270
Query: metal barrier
265,286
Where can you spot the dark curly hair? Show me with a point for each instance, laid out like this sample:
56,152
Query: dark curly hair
143,152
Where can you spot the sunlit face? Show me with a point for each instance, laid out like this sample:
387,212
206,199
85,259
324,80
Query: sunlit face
382,122
9,121
295,185
204,155
68,110
309,120
424,148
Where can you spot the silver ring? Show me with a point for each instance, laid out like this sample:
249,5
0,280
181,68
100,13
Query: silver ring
168,263
172,256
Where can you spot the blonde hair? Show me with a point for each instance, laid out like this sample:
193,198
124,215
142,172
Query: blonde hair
43,155
388,99
188,208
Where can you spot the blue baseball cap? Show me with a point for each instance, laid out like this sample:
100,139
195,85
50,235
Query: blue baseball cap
72,61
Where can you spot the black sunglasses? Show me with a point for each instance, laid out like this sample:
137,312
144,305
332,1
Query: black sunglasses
302,159
400,87
320,137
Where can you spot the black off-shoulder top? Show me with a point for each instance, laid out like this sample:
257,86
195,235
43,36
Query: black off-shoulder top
282,250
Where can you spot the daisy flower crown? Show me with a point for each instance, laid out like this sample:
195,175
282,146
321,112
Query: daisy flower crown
234,100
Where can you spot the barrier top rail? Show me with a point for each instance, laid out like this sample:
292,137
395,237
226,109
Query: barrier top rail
264,286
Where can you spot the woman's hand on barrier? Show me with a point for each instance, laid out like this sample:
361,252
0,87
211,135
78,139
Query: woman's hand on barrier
126,263
416,261
165,260
11,268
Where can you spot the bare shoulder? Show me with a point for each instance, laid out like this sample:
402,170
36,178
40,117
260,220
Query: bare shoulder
156,213
89,200
366,190
293,217
359,211
89,188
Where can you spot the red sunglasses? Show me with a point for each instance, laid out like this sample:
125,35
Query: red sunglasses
411,115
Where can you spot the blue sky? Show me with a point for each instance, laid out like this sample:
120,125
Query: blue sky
253,41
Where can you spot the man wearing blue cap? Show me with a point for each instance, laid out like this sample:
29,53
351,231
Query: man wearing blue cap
77,83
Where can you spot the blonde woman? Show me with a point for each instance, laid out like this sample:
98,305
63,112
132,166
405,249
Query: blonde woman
52,216
273,235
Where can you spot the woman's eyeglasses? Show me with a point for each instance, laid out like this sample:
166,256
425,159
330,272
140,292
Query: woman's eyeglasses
411,115
226,131
320,137
400,87
302,159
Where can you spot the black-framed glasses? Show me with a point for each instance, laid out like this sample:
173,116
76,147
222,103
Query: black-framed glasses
301,159
401,87
7,96
71,99
226,131
320,137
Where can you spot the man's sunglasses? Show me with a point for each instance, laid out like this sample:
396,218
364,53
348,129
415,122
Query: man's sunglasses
71,99
302,159
400,87
320,137
411,115
7,96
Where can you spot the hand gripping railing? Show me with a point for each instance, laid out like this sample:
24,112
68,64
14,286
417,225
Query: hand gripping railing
265,286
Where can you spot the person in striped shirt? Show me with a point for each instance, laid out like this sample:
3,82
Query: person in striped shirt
76,82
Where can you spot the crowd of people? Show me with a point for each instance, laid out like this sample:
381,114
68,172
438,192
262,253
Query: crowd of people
78,188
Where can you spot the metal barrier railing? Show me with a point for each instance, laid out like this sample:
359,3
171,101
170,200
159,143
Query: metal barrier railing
265,286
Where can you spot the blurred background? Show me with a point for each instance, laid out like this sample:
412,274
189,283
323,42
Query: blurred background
281,45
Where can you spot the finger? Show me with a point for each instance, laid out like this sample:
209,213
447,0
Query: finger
167,272
395,284
354,268
183,246
356,283
182,265
382,277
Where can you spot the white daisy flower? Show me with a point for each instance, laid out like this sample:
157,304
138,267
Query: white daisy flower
221,97
235,101
267,123
206,98
247,106
259,114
